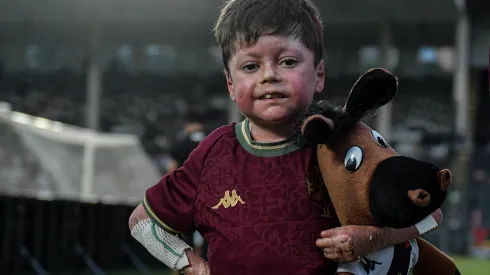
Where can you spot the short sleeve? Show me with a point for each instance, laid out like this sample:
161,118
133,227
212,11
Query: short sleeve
170,203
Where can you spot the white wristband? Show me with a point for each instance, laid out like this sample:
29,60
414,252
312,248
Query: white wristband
426,225
182,262
164,246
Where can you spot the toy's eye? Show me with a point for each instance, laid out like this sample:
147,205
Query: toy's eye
379,139
353,159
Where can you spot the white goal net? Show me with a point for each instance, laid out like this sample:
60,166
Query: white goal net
48,159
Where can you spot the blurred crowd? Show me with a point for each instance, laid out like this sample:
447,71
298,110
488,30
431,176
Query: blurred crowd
155,107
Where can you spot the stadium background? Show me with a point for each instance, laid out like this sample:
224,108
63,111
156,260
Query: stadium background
121,75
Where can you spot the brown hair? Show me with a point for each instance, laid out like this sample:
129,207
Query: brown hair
246,21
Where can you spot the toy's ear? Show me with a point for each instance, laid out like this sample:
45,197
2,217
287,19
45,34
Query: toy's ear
318,128
372,90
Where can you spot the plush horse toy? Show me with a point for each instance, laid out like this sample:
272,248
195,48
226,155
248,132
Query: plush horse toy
370,184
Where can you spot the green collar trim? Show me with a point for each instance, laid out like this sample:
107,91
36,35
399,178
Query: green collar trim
265,149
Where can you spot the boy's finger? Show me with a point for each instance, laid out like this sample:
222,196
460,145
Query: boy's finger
333,256
339,255
337,241
331,232
327,233
322,243
326,243
335,250
438,216
329,251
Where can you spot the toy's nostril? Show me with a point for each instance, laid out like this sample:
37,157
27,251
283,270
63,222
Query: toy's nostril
419,197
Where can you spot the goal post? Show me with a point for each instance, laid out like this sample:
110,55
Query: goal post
49,159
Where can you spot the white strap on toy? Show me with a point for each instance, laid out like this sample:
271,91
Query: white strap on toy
166,247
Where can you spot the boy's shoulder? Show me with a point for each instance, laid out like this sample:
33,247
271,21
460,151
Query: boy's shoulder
223,132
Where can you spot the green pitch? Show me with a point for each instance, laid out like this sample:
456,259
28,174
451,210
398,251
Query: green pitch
472,266
467,266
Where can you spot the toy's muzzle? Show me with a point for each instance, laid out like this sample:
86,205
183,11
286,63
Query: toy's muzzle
403,191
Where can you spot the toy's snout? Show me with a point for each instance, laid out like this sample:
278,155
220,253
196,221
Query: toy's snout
403,191
421,198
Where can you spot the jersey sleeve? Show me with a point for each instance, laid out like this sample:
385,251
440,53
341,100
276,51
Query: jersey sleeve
170,203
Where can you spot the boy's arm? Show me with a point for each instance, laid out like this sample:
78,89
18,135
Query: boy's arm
167,210
348,243
166,247
197,265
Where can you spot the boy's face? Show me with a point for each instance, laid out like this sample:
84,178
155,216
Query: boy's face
274,80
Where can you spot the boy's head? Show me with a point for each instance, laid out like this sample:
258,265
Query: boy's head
273,56
243,22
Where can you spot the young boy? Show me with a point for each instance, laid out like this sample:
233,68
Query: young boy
251,190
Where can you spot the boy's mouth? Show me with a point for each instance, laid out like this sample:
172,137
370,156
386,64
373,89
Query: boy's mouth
272,96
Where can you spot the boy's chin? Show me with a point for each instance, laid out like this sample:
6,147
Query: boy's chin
273,120
270,116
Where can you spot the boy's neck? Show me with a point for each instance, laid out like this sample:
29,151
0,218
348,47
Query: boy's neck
270,133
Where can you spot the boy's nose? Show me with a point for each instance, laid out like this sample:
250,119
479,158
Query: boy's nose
270,74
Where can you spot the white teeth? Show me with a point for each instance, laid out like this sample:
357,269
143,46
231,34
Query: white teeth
268,96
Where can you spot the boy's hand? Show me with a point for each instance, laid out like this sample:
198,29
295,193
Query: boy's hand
348,243
198,266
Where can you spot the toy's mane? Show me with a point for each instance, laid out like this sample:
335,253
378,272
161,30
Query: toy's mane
342,119
325,108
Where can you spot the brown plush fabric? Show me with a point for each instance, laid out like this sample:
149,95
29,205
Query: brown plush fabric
349,192
349,181
433,261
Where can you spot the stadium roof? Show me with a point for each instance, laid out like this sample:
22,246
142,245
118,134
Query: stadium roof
157,21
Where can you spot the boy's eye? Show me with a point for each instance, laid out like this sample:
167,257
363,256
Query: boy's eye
250,67
289,62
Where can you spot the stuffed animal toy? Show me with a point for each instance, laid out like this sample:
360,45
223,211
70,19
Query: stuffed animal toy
370,184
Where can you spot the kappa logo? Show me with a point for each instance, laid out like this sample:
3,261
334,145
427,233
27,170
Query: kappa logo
368,265
229,201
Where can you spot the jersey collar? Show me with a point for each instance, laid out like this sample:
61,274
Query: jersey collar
266,149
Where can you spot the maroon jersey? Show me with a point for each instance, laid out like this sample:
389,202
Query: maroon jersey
260,206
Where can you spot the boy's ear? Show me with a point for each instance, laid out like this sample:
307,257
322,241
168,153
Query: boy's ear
318,128
320,77
229,84
372,90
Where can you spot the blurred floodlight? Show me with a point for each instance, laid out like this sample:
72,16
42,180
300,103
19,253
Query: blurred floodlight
427,55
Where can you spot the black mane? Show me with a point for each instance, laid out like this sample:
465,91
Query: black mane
326,109
321,107
342,119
